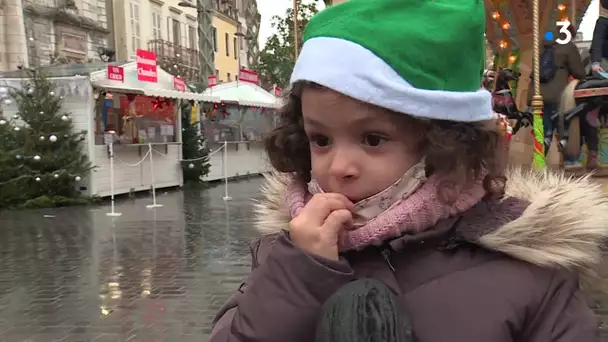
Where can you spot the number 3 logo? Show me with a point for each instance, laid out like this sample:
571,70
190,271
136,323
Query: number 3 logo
564,25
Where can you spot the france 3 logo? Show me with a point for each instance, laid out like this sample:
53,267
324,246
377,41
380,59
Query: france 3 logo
564,37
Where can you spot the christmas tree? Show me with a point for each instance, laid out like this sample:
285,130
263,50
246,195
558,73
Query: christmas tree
195,155
41,158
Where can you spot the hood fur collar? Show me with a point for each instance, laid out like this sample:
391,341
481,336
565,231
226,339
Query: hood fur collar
565,224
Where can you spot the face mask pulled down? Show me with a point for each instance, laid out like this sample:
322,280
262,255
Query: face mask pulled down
409,206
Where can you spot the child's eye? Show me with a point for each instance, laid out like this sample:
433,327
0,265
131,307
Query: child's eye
319,140
374,140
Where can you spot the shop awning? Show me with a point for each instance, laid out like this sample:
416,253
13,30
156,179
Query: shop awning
164,87
245,94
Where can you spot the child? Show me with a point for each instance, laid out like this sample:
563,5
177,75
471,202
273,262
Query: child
391,168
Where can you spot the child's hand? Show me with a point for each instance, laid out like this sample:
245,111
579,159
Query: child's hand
317,227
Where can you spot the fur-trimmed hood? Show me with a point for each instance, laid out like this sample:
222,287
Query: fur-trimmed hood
564,225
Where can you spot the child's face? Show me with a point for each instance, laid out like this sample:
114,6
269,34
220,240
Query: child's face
356,149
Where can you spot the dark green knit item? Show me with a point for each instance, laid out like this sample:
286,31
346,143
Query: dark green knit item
432,44
365,310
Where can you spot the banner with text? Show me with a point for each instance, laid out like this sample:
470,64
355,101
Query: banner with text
116,73
179,83
249,76
146,66
211,80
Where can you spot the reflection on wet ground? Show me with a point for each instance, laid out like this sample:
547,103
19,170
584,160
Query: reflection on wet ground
75,274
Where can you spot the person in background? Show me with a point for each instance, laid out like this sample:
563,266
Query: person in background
390,164
599,46
558,63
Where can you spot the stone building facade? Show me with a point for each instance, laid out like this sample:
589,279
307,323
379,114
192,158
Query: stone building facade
53,32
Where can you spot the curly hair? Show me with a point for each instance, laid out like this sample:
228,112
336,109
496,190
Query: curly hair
456,151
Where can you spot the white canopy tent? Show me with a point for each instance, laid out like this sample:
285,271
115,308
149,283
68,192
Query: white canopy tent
244,93
163,88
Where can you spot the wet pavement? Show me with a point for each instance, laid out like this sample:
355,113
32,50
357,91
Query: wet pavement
75,274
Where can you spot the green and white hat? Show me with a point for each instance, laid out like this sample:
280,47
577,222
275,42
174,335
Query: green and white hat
424,58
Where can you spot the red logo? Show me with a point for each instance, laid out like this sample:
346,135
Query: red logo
179,84
146,66
116,73
249,76
211,80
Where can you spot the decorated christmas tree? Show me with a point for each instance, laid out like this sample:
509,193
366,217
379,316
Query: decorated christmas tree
195,155
41,158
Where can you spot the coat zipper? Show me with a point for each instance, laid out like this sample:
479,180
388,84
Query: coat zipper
386,254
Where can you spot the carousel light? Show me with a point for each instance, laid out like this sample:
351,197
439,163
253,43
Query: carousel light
506,26
495,15
503,44
561,7
512,59
565,19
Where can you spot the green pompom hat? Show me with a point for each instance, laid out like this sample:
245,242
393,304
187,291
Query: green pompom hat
424,58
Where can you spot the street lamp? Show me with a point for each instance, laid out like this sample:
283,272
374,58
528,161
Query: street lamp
205,46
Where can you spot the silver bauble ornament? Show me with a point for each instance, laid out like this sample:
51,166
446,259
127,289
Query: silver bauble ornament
53,138
17,129
191,166
42,138
37,179
77,178
65,118
36,157
8,102
56,175
2,122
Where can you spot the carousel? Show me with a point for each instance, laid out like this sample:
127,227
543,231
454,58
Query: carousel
514,32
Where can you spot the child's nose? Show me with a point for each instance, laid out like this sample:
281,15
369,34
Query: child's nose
344,165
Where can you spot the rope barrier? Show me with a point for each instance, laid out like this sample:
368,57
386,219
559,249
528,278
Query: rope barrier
194,159
133,165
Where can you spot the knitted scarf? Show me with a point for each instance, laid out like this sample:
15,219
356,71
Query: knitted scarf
412,214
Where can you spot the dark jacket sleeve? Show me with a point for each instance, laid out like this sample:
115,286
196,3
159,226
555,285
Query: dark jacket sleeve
598,42
575,62
282,298
564,315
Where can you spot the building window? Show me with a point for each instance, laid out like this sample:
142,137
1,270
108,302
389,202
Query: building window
234,47
227,42
176,27
135,26
192,37
214,37
228,77
156,22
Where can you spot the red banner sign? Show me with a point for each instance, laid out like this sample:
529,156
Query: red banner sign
179,84
249,76
146,66
277,91
116,73
211,80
